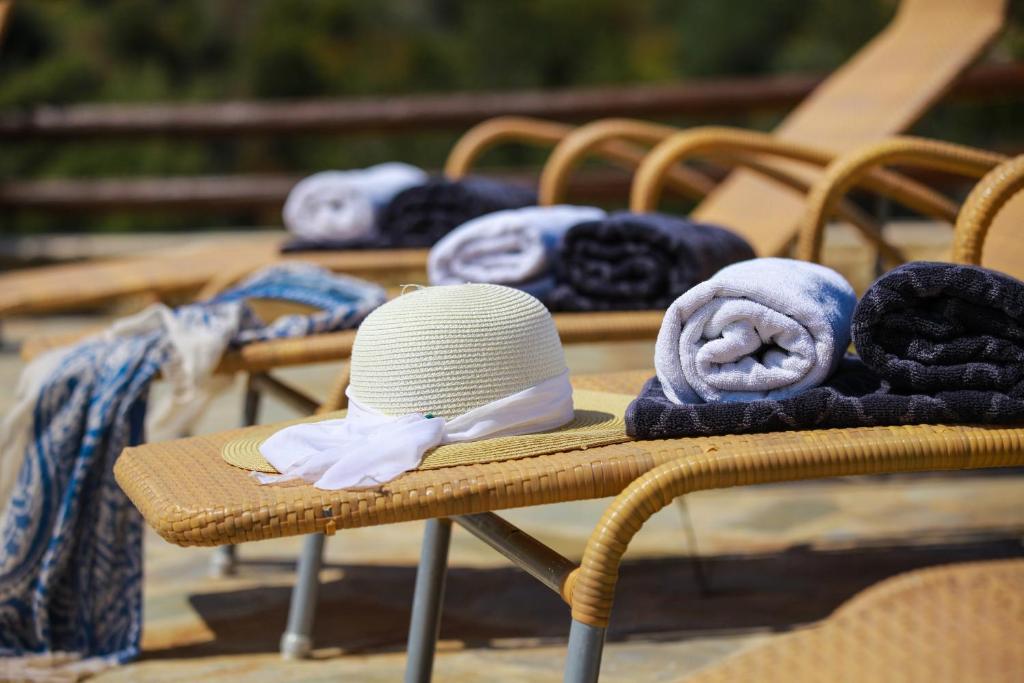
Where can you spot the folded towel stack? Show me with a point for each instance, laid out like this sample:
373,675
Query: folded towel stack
421,215
630,261
516,247
938,343
342,206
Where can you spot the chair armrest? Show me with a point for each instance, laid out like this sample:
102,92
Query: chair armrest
982,206
595,138
493,132
852,169
477,140
747,148
822,454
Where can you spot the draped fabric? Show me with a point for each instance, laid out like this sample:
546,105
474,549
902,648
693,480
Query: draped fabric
71,566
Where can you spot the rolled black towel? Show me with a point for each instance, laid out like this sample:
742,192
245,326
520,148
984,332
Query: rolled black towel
631,261
939,343
419,216
936,326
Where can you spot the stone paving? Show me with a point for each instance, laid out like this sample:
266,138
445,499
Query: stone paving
772,558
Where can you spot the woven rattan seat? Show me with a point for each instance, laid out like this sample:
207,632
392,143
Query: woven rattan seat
192,497
949,624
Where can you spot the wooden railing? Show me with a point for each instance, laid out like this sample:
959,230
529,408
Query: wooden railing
394,114
422,112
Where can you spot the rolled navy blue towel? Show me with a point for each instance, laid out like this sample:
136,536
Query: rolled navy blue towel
419,216
939,343
631,261
935,326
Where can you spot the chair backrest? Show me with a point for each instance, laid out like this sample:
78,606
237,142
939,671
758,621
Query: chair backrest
881,91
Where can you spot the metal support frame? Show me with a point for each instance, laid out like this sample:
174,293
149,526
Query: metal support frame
586,643
297,639
225,558
263,383
529,554
583,658
425,622
700,574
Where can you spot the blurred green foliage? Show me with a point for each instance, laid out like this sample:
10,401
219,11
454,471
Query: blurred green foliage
212,50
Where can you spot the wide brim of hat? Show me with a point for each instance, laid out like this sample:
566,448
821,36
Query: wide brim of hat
599,421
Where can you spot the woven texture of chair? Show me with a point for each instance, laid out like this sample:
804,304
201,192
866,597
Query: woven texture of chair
192,497
947,624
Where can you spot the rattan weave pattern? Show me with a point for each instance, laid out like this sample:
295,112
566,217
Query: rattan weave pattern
948,624
192,497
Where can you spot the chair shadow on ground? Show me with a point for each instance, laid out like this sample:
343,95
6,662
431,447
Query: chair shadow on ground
367,609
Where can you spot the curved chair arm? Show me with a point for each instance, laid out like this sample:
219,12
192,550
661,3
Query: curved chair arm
982,206
849,170
847,210
712,141
484,136
493,132
570,152
829,453
594,137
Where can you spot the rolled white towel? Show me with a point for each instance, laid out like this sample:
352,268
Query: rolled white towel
342,205
512,247
764,328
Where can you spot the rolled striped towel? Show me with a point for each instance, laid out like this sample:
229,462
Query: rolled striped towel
343,205
514,247
764,328
421,215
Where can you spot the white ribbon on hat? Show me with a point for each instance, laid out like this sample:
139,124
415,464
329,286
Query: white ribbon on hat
366,448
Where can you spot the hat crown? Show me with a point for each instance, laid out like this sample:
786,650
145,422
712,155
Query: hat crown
446,350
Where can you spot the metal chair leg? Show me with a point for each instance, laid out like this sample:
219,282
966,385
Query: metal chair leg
297,639
583,660
700,575
427,601
225,560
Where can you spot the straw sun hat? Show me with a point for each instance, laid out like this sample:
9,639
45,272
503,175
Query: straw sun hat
443,351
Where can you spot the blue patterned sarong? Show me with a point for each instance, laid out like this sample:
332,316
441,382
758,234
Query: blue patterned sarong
71,542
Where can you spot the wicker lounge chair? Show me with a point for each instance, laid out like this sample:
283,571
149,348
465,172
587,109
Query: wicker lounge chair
892,81
191,497
944,624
